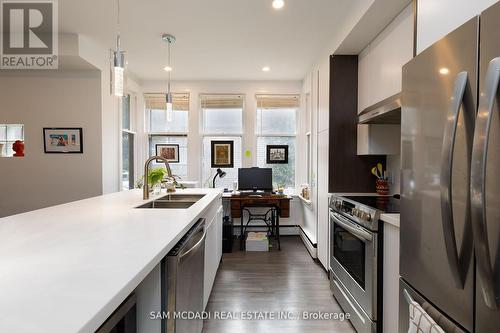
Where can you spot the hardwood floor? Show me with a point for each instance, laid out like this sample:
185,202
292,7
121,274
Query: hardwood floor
287,280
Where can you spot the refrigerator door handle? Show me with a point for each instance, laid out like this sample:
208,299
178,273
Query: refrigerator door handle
478,184
459,271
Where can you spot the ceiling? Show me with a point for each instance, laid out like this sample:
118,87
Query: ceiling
216,39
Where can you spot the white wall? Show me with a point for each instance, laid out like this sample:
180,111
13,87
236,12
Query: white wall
40,99
436,19
110,116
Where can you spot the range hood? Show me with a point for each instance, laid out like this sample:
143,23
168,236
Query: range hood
387,111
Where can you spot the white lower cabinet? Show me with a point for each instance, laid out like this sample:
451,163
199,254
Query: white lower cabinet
391,278
323,232
213,251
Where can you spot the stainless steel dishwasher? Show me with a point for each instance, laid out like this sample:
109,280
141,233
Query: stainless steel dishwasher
182,277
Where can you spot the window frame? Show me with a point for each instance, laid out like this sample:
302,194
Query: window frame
204,134
150,134
132,133
7,141
281,135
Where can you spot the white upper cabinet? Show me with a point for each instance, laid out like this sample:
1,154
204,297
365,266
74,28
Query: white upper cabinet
438,18
381,62
323,213
324,95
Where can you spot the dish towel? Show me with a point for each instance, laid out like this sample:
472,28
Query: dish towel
421,322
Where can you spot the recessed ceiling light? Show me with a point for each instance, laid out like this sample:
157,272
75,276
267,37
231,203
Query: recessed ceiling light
278,4
266,69
167,68
444,71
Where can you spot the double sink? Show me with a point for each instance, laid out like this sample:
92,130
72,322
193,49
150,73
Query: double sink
173,201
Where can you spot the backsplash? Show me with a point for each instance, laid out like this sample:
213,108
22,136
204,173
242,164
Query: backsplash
393,170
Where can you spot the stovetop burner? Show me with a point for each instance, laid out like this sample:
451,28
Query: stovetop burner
385,204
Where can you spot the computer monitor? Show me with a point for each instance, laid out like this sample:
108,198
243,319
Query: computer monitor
255,179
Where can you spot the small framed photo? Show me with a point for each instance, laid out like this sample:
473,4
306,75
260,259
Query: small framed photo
59,140
170,152
277,154
222,153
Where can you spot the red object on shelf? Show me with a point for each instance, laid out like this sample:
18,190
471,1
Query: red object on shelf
18,147
382,187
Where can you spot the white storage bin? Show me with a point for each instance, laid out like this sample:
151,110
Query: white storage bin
257,242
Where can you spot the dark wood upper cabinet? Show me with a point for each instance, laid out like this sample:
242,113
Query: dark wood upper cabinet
348,172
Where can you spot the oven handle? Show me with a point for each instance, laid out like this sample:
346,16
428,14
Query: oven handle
360,233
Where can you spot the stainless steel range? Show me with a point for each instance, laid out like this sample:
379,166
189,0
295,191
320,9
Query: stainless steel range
356,256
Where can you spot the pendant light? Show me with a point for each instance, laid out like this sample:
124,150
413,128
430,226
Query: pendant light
118,62
169,39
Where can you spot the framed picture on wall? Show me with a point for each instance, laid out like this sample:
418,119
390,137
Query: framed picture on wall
58,140
222,154
170,152
277,154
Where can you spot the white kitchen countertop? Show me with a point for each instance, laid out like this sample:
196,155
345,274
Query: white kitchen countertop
67,268
391,219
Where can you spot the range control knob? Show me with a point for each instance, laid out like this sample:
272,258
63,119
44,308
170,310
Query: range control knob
354,212
366,217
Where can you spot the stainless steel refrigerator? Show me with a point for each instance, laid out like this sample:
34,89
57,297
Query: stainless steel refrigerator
450,189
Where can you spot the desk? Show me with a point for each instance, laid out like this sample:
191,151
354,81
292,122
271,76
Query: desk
279,202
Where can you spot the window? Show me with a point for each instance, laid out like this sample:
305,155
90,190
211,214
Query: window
128,142
127,160
222,120
222,114
309,159
9,133
276,124
173,132
126,113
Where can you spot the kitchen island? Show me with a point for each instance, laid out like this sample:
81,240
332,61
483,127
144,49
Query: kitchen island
67,268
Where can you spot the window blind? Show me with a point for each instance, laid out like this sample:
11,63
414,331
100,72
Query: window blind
222,101
158,101
278,101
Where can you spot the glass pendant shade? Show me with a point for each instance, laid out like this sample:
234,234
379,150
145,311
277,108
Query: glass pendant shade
170,110
169,39
118,73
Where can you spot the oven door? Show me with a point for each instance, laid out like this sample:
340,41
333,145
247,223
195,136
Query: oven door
354,261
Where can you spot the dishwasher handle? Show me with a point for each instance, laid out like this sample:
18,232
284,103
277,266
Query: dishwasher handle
195,247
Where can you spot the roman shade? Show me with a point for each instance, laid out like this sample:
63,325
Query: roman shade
221,101
278,101
158,101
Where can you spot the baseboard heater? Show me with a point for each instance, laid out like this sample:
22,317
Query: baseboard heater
311,247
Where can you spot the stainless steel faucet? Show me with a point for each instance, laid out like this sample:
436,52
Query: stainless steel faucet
145,187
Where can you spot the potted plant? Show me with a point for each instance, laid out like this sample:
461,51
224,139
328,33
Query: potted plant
155,178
